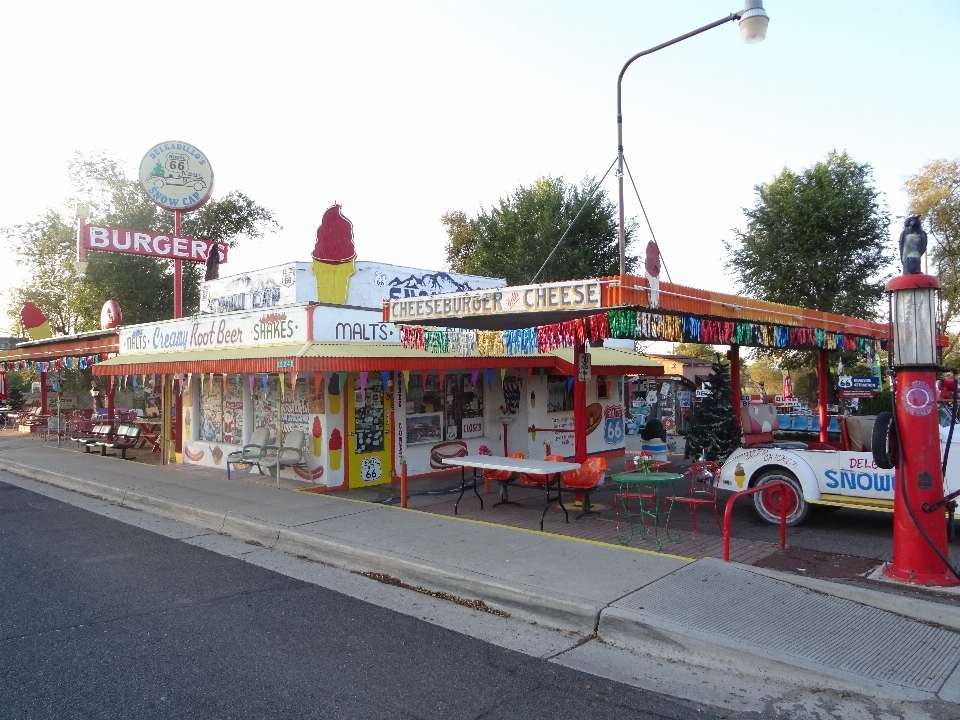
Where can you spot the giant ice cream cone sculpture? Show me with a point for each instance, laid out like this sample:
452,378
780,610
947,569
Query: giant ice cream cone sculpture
317,434
35,322
333,257
336,449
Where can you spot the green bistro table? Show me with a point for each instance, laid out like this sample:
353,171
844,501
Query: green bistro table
661,483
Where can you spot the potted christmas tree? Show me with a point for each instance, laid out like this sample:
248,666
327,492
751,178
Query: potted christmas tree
714,434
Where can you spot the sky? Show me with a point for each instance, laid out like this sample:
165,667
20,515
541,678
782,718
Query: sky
401,111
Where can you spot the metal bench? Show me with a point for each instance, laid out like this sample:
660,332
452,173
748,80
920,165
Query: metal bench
101,432
126,438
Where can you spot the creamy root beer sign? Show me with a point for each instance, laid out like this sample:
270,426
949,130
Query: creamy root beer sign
217,331
573,295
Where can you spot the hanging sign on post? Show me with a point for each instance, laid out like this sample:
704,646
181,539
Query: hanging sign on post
176,176
583,367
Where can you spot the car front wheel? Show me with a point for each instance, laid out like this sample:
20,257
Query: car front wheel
768,502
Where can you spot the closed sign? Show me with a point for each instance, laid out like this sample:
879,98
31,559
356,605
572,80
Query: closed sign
471,427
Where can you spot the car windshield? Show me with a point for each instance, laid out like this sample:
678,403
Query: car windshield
946,413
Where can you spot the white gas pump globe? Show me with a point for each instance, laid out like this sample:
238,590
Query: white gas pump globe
914,314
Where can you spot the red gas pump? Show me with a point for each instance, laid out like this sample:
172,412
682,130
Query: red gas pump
909,438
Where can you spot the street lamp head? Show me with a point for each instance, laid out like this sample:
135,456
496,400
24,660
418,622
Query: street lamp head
753,22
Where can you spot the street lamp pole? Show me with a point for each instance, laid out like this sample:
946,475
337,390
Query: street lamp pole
753,28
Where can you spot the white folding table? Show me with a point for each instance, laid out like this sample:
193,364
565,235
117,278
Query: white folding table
519,465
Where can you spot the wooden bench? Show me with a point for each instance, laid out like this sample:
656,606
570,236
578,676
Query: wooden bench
126,438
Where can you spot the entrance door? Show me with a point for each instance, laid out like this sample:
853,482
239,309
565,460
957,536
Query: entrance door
369,432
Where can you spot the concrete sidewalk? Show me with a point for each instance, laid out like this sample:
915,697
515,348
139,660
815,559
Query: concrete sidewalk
722,615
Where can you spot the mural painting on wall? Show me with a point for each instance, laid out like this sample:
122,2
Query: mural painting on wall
451,449
233,421
265,407
318,395
314,443
295,406
425,284
564,422
594,416
211,411
613,425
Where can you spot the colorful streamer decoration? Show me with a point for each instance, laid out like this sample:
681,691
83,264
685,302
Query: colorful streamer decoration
629,324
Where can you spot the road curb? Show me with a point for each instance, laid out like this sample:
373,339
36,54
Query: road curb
928,611
562,613
655,637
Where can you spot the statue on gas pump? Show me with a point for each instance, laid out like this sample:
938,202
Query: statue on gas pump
913,244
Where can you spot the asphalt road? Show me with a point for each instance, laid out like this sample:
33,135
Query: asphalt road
101,619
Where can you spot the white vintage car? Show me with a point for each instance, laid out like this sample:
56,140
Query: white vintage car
819,474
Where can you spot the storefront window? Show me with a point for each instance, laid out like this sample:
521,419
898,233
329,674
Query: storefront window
424,397
454,413
463,408
558,397
368,415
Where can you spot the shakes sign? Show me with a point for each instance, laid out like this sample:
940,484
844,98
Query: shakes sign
269,327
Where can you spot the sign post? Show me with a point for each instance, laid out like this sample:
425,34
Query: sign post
178,177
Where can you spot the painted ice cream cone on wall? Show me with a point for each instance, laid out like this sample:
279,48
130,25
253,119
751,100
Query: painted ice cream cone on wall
336,449
317,435
333,392
333,257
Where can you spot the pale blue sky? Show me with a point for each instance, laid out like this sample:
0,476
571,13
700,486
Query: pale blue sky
401,111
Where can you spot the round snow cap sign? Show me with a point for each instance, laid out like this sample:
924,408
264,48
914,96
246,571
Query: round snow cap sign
176,176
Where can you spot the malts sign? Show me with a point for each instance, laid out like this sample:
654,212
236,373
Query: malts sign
137,242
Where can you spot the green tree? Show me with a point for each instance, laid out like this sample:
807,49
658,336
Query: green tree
818,239
934,193
696,350
513,239
142,286
48,247
713,433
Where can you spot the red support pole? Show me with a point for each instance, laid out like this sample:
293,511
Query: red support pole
177,273
823,373
177,392
110,396
579,407
43,393
403,485
733,355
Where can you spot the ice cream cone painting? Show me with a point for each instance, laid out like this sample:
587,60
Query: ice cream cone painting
317,436
333,392
336,449
35,323
333,257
